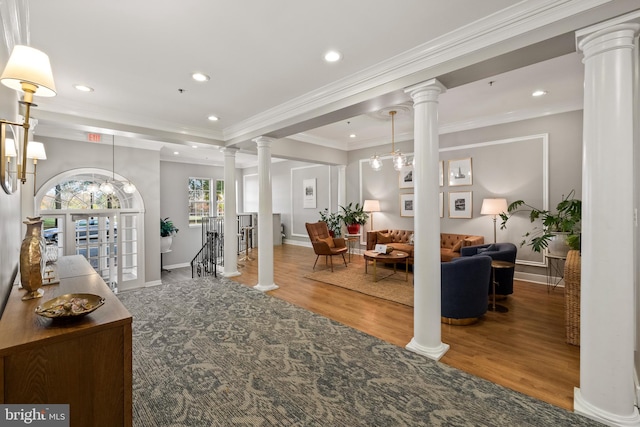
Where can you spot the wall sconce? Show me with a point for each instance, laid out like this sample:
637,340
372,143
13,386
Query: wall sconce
28,70
35,151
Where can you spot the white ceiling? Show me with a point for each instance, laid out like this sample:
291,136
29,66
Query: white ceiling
136,55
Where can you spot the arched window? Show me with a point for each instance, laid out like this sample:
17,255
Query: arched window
95,213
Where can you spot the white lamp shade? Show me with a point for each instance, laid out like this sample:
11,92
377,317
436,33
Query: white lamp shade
371,206
29,65
35,150
10,148
493,206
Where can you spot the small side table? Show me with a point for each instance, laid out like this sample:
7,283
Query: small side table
555,270
351,239
494,265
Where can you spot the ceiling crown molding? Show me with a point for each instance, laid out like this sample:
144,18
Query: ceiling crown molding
456,49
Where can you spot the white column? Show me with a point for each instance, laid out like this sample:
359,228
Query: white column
426,265
230,214
607,316
342,185
265,216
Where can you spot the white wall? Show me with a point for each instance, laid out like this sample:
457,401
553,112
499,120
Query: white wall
142,167
174,203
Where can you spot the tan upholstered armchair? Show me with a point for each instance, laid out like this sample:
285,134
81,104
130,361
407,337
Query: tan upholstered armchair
324,244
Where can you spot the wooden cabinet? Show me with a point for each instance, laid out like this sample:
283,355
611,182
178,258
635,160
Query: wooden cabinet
83,362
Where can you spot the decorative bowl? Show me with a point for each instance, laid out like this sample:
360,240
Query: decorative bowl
70,306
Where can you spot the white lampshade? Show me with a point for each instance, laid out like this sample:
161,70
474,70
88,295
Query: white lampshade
35,151
10,148
493,206
31,66
371,206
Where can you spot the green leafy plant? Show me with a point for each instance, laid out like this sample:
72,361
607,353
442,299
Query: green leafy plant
565,219
333,220
353,214
167,228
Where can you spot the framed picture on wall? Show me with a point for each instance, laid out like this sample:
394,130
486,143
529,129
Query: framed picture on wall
406,205
441,171
460,172
460,204
441,204
309,197
406,177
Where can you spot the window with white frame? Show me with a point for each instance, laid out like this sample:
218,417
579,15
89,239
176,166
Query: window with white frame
199,200
219,197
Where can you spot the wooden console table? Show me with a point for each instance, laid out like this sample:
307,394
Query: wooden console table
84,362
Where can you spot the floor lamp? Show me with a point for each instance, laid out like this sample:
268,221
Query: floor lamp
493,207
371,206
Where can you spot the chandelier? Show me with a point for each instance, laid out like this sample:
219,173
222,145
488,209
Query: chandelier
109,186
399,160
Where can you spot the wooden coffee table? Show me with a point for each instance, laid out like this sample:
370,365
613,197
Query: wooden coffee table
394,257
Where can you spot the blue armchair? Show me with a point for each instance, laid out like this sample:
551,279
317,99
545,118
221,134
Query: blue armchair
498,251
464,293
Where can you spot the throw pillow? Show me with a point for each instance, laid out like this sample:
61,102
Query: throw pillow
491,247
328,241
457,246
384,238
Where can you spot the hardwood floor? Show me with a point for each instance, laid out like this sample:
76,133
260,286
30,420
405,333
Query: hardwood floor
524,349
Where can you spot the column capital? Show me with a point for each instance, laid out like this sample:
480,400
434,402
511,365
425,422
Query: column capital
429,86
593,41
229,151
263,141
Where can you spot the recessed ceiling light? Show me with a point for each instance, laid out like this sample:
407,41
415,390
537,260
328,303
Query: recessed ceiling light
83,88
194,146
200,77
213,118
353,135
175,153
539,93
332,56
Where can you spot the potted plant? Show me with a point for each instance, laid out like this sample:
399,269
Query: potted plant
564,221
353,217
167,231
333,221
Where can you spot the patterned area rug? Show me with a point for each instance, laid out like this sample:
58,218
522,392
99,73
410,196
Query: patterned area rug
389,286
211,352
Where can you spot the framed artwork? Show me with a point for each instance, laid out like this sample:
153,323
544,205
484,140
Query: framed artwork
460,204
406,177
441,204
309,197
441,170
406,205
460,172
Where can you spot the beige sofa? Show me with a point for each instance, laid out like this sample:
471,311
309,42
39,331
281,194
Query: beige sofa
450,244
